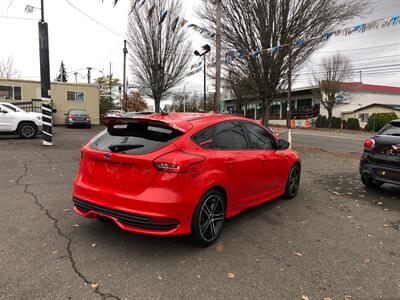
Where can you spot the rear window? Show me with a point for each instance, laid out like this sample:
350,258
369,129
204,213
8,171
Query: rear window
391,129
78,112
134,138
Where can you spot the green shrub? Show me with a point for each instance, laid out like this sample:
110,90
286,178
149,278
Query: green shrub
378,121
321,122
344,124
353,123
336,123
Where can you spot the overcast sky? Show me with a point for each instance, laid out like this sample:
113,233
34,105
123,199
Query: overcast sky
82,43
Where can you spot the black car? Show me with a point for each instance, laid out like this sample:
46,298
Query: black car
77,117
380,162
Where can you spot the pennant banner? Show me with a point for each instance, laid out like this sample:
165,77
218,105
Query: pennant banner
231,55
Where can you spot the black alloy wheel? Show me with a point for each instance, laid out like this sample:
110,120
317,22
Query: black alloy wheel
293,183
208,218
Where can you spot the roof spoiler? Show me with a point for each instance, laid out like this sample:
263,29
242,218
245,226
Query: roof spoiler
111,122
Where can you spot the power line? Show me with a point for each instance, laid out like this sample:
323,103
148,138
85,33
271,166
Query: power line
93,19
18,18
360,49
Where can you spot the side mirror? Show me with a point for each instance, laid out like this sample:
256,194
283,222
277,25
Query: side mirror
283,145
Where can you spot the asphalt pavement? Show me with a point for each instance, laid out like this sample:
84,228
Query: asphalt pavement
328,140
336,240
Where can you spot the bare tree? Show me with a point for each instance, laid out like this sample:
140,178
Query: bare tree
261,24
335,71
7,69
160,53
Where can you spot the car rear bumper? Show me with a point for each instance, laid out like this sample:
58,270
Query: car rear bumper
123,219
75,122
155,212
381,173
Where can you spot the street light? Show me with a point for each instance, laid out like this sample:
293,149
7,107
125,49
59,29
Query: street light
206,49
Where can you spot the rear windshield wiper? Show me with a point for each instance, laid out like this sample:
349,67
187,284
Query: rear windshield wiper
123,147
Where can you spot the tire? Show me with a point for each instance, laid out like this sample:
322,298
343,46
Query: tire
371,183
207,228
293,182
27,130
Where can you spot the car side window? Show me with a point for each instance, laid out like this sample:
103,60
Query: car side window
205,138
230,136
3,108
10,108
258,137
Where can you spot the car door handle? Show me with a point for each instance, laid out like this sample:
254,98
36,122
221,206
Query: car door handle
230,163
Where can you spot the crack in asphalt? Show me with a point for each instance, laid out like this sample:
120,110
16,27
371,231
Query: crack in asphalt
62,234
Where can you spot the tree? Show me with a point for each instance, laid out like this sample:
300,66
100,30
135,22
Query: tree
106,84
136,102
262,24
335,71
7,69
62,75
241,88
159,51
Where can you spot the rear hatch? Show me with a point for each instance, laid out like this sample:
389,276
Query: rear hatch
387,151
121,158
387,146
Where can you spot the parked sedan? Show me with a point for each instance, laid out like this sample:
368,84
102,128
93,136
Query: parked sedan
182,174
380,162
77,117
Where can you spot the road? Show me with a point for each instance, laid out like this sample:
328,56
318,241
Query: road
336,239
327,140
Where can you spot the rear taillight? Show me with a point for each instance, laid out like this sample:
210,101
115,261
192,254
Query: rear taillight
177,161
369,145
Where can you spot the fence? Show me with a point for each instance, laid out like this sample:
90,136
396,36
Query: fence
30,106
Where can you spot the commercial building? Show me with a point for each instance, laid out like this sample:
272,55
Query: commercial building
65,96
306,102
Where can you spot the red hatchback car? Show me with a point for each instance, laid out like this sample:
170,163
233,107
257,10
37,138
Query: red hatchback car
181,174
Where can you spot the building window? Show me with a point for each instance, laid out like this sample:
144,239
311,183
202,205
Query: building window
275,110
363,117
304,104
75,96
10,92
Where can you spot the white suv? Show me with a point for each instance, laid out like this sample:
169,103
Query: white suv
15,120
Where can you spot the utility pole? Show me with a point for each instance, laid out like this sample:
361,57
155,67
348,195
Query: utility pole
111,82
76,77
47,105
205,84
89,70
125,98
360,76
289,98
217,97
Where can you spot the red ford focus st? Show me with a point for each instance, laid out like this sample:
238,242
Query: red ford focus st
182,174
